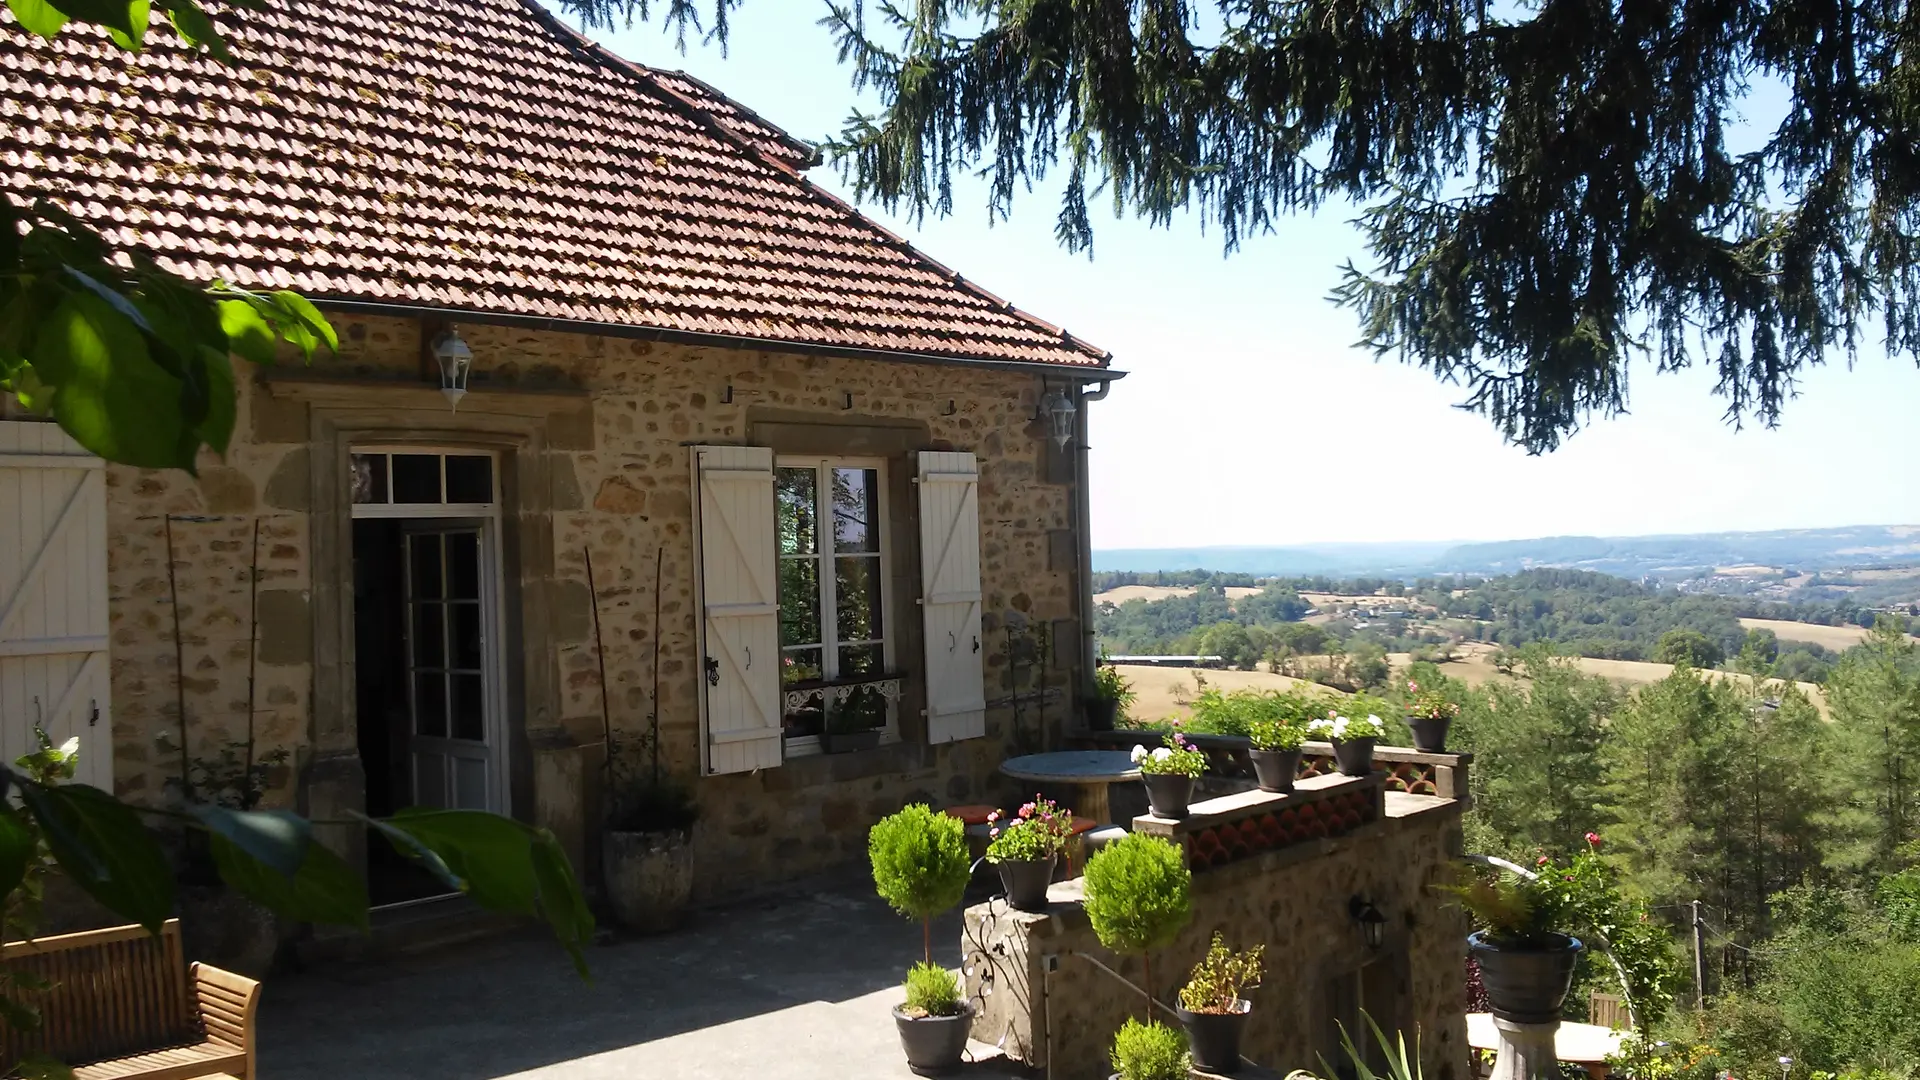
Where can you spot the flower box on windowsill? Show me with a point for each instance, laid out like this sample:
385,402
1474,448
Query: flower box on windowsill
847,742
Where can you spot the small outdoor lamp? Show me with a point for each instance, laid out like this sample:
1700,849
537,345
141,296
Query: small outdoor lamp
1059,409
456,362
1786,1066
1373,925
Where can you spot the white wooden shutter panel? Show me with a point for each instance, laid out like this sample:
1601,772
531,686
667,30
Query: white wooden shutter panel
950,595
53,597
740,607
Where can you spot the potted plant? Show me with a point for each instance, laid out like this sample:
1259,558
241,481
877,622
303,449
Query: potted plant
1169,773
218,924
1212,1007
920,868
1149,1051
1275,740
1353,739
1025,848
1526,959
646,852
1112,696
854,724
1430,715
1139,896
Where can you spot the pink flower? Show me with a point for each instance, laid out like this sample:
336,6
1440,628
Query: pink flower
993,832
993,816
1543,860
1175,721
1593,839
1411,685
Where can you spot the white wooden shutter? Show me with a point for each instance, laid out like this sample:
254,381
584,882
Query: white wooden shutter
53,597
740,605
950,595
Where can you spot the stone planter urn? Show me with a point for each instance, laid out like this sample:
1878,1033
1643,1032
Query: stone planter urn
1276,769
225,929
1430,733
1215,1037
1026,881
649,878
1354,756
1526,985
934,1043
1168,793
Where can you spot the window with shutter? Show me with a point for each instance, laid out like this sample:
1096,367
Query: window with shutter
740,612
53,597
950,595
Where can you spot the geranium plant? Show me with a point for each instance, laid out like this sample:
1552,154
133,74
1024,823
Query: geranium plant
1429,704
1038,830
1180,759
1277,734
1341,728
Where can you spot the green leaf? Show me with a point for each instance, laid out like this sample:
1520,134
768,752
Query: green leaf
128,18
108,393
194,28
405,844
18,1015
117,300
302,323
324,889
42,1067
247,333
216,428
561,902
275,837
38,16
101,844
17,845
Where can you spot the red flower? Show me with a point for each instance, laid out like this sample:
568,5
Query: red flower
1543,860
1593,839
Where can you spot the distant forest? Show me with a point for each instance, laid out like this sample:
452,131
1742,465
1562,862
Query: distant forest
1579,612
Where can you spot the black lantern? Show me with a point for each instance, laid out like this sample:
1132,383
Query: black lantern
1057,405
456,362
1373,925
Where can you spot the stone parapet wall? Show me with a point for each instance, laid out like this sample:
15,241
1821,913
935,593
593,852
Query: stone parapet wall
1043,997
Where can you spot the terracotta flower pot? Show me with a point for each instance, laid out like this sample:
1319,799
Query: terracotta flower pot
1526,985
1276,769
1026,881
1354,756
1168,793
934,1043
1214,1038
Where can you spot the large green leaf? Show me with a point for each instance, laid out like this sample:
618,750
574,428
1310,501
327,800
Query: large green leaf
127,17
561,901
102,845
324,889
277,838
247,333
16,850
194,28
108,393
38,16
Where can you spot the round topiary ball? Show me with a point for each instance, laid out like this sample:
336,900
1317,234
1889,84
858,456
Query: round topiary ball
920,861
1138,893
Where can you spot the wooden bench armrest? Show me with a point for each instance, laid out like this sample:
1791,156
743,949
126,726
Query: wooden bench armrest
228,1004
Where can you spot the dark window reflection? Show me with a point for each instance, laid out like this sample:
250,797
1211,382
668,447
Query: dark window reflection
416,478
794,490
469,479
856,505
857,597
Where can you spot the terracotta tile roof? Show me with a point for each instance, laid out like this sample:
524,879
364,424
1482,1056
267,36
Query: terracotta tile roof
475,155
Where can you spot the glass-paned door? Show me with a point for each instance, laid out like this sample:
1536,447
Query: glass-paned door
448,601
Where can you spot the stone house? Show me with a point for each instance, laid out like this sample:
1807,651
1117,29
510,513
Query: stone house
717,426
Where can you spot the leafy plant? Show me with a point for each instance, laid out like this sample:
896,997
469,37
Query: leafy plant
931,991
1222,978
228,780
1342,728
1110,685
1512,911
1432,703
1138,896
1038,830
1150,1051
1401,1065
1180,759
920,864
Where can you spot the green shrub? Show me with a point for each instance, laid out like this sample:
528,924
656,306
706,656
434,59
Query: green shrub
1138,896
1276,734
1110,685
1150,1051
932,991
920,864
1222,978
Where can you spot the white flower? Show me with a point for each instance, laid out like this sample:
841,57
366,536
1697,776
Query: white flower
1320,724
1139,754
1377,725
1161,753
71,746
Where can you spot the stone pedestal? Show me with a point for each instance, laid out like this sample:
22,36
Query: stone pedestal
1526,1051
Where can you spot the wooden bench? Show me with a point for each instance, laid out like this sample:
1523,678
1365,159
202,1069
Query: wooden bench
122,1005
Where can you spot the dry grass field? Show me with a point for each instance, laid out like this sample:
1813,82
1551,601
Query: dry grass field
1837,638
1120,594
1162,690
1475,667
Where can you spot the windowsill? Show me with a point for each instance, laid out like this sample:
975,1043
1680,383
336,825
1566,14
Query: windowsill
815,769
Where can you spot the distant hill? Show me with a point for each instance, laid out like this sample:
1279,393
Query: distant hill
1667,557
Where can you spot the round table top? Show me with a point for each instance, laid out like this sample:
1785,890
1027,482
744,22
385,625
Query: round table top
1073,767
1574,1043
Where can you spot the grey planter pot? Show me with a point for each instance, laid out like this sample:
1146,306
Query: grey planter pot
1214,1038
1026,881
1430,733
934,1043
1101,713
1168,794
1354,756
649,878
1276,769
1526,986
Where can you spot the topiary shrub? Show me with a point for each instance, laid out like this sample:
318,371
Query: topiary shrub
1139,895
920,864
1150,1051
932,991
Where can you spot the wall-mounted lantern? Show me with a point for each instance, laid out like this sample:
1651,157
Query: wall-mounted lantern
456,363
1056,405
1373,925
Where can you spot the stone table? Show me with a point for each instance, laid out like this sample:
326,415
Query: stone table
1089,770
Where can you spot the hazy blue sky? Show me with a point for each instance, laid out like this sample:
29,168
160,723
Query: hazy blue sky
1249,418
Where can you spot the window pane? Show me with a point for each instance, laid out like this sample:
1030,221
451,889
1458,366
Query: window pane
465,625
429,636
856,597
369,478
469,711
416,478
463,566
799,665
799,602
469,479
425,579
430,704
794,488
856,660
856,510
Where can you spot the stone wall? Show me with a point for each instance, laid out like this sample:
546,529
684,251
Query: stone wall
601,428
1050,1006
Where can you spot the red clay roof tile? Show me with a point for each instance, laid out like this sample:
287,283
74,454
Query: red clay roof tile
476,155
